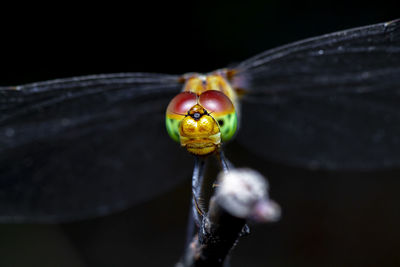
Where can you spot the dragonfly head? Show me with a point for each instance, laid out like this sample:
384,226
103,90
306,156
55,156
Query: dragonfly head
201,122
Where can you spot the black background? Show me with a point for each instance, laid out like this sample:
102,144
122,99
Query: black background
329,218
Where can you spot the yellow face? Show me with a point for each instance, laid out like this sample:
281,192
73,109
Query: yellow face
199,132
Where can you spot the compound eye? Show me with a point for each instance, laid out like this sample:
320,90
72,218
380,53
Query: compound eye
216,102
181,103
176,111
222,110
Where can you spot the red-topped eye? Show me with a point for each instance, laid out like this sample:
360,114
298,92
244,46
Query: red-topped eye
216,102
182,103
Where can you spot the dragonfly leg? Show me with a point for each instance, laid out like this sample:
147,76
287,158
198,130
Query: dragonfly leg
197,181
190,229
225,163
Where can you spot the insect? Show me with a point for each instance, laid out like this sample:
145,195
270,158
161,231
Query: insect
87,146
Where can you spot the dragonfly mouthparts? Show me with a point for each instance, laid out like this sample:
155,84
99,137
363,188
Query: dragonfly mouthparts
201,145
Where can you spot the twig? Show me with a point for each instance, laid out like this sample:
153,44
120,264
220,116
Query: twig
242,195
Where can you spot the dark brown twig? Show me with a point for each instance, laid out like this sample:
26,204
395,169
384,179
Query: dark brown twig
241,196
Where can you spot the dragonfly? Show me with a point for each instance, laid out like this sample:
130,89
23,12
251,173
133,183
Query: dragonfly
81,147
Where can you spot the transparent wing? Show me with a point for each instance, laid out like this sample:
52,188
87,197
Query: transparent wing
326,102
86,146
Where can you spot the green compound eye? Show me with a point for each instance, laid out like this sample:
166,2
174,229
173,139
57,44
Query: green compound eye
176,111
223,111
227,125
172,128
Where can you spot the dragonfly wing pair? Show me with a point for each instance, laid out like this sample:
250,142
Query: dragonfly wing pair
82,147
86,146
328,102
